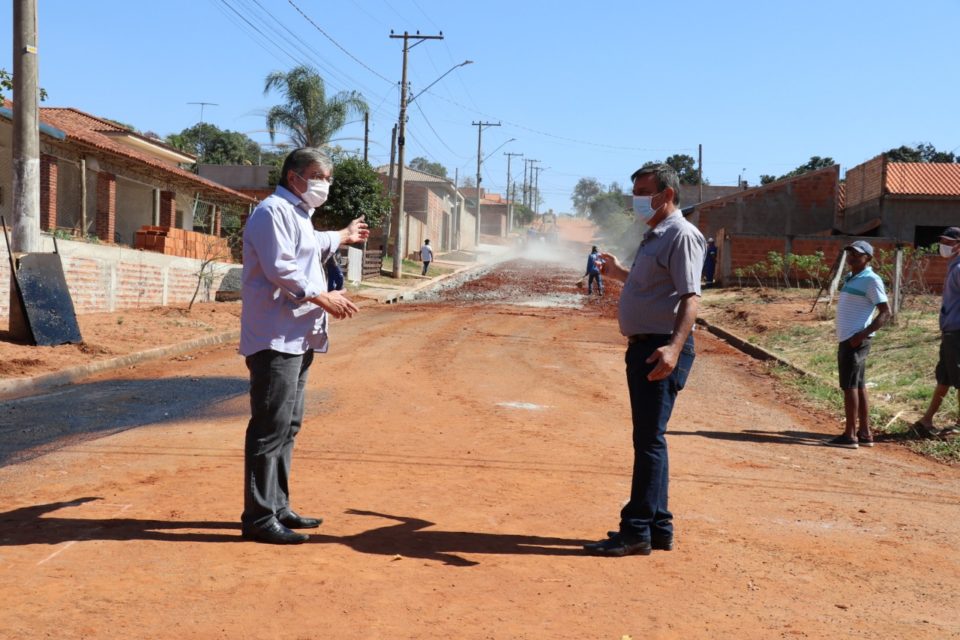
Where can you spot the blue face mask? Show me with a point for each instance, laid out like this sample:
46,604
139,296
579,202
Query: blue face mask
643,208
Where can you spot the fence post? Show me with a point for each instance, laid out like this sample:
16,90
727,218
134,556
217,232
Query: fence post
897,283
726,259
838,275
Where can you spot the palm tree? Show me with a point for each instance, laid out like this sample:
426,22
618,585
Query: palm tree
309,117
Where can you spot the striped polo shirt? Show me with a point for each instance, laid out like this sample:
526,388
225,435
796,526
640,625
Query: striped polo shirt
859,297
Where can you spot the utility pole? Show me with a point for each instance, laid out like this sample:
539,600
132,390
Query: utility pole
535,187
525,163
700,169
26,132
480,126
528,186
366,135
392,190
398,232
456,208
509,201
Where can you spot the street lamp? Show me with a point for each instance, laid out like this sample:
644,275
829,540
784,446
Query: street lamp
424,90
487,157
401,144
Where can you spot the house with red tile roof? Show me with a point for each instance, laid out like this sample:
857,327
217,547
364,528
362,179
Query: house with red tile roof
99,178
493,211
434,210
910,202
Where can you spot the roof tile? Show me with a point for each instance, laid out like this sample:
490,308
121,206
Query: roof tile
90,130
923,178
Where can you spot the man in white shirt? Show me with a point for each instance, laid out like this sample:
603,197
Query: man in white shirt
426,254
283,322
862,293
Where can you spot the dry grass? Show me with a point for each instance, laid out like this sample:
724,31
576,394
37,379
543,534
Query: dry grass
899,371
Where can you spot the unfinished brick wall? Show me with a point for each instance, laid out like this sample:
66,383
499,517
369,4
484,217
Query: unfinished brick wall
749,250
864,182
110,279
168,209
106,206
48,192
746,251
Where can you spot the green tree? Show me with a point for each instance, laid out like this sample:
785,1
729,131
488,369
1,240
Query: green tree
6,84
584,193
686,168
309,116
356,190
215,146
766,178
605,207
522,215
923,152
815,163
433,168
684,165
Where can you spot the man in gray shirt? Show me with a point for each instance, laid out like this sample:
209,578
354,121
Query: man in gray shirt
658,308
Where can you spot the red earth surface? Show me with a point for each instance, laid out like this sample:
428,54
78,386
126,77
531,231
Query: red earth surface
461,448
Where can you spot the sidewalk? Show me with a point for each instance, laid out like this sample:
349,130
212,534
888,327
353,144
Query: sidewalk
383,293
412,284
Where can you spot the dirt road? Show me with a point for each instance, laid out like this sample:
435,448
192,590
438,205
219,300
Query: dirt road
462,449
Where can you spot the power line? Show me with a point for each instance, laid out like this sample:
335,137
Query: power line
551,135
338,45
442,141
307,51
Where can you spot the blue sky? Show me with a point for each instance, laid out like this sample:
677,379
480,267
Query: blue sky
587,89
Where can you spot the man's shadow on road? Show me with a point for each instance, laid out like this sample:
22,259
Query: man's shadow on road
408,539
806,438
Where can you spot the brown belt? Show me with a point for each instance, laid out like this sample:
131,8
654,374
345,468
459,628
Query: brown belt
642,337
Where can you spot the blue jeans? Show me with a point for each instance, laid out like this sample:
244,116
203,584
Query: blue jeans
651,403
277,381
590,280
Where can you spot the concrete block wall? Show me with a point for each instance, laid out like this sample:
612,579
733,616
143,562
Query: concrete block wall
110,278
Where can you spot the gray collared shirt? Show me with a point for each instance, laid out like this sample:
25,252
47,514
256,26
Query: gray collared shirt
667,267
283,260
950,309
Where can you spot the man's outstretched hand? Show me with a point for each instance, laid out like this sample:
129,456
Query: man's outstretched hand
355,232
336,304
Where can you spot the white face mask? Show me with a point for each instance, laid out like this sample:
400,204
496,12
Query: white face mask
643,208
946,250
316,193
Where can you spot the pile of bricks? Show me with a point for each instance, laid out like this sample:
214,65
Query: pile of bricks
180,242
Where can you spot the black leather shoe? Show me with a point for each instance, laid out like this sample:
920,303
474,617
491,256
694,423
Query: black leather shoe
656,543
294,521
275,533
618,546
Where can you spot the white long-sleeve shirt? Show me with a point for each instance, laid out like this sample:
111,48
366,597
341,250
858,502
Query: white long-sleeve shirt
283,260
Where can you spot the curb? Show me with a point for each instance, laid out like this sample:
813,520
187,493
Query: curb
28,386
753,350
410,292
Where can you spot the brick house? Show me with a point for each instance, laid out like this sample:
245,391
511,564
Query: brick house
910,202
493,211
434,210
101,179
